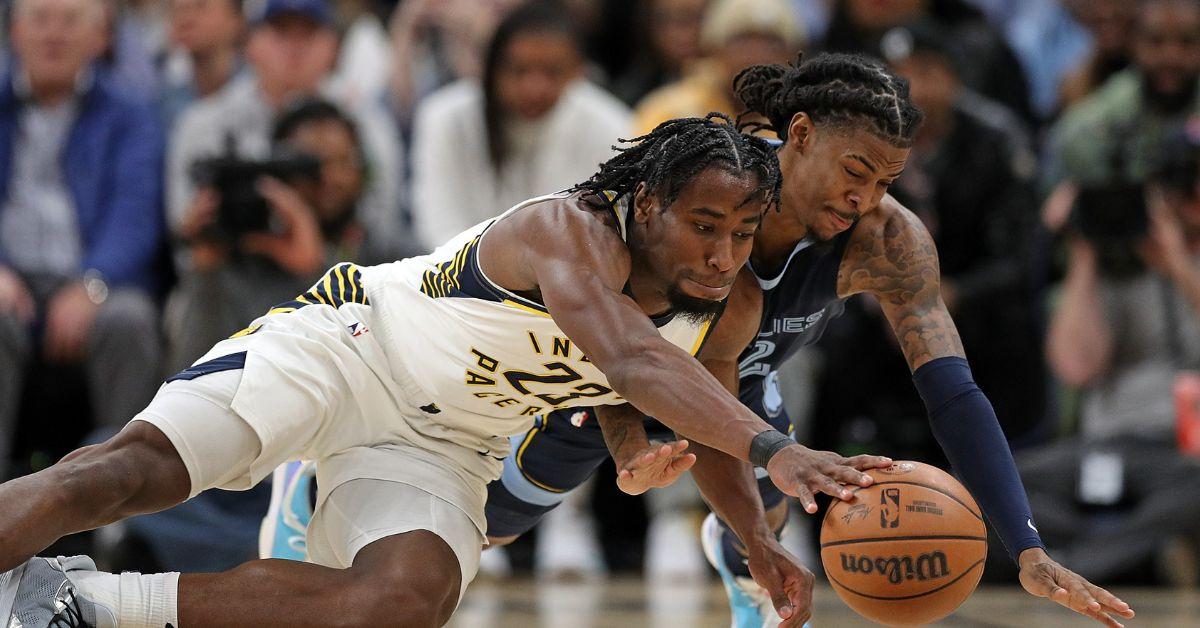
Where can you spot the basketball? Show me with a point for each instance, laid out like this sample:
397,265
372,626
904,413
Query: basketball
908,549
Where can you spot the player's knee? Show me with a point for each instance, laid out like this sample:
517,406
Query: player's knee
410,599
411,579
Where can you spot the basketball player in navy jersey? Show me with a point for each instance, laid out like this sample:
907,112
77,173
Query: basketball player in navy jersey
404,381
846,124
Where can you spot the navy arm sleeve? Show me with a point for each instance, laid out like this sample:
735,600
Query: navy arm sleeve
965,425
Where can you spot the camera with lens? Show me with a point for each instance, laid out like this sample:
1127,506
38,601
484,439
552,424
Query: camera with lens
242,208
1112,218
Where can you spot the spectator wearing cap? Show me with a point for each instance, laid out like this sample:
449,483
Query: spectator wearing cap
735,34
80,216
291,48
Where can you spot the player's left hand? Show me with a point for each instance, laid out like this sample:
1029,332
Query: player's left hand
656,466
1043,577
788,582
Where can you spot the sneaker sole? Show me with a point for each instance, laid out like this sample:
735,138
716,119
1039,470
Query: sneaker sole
10,581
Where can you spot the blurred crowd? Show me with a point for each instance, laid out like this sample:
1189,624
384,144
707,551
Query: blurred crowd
170,169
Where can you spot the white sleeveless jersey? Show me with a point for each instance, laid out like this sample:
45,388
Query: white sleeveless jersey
488,359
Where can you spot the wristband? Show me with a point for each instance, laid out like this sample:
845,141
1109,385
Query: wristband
766,445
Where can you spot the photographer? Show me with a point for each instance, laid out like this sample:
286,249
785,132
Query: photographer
291,48
1127,323
256,240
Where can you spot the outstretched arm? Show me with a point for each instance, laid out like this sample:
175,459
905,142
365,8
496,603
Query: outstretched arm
892,256
579,265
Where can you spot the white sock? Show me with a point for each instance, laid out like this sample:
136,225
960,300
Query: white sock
136,600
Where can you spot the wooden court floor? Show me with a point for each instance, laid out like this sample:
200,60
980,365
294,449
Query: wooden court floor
633,603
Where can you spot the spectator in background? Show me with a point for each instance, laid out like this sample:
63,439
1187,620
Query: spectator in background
533,126
291,50
736,34
857,26
1110,23
1121,334
971,176
1115,133
1049,41
234,283
208,34
236,278
440,41
80,216
670,42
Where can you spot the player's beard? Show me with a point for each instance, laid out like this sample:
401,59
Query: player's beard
693,309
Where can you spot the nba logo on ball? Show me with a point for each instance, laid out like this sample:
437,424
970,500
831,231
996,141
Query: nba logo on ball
915,574
889,508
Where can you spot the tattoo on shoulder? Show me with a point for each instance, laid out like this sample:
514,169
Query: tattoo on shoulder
896,262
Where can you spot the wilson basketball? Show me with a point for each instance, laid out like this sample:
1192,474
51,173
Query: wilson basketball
908,549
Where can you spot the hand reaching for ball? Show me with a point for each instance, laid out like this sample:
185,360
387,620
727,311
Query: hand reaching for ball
1043,577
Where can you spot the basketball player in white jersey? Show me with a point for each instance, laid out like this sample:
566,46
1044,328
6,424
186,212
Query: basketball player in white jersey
405,380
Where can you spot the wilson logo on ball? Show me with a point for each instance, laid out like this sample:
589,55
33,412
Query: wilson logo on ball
897,569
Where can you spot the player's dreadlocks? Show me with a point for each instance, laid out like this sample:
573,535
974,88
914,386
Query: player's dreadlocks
836,88
666,158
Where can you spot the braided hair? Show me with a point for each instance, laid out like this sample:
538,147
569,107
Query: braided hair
668,157
842,89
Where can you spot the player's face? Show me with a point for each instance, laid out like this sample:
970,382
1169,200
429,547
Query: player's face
832,177
695,247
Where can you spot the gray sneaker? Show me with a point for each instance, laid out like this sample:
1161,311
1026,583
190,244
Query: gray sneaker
39,594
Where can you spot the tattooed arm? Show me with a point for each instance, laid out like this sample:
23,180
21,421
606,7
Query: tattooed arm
892,257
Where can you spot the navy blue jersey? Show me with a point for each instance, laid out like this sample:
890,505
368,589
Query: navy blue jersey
798,303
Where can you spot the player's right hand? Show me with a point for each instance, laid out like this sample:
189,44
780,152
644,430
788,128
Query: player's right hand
656,466
802,472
